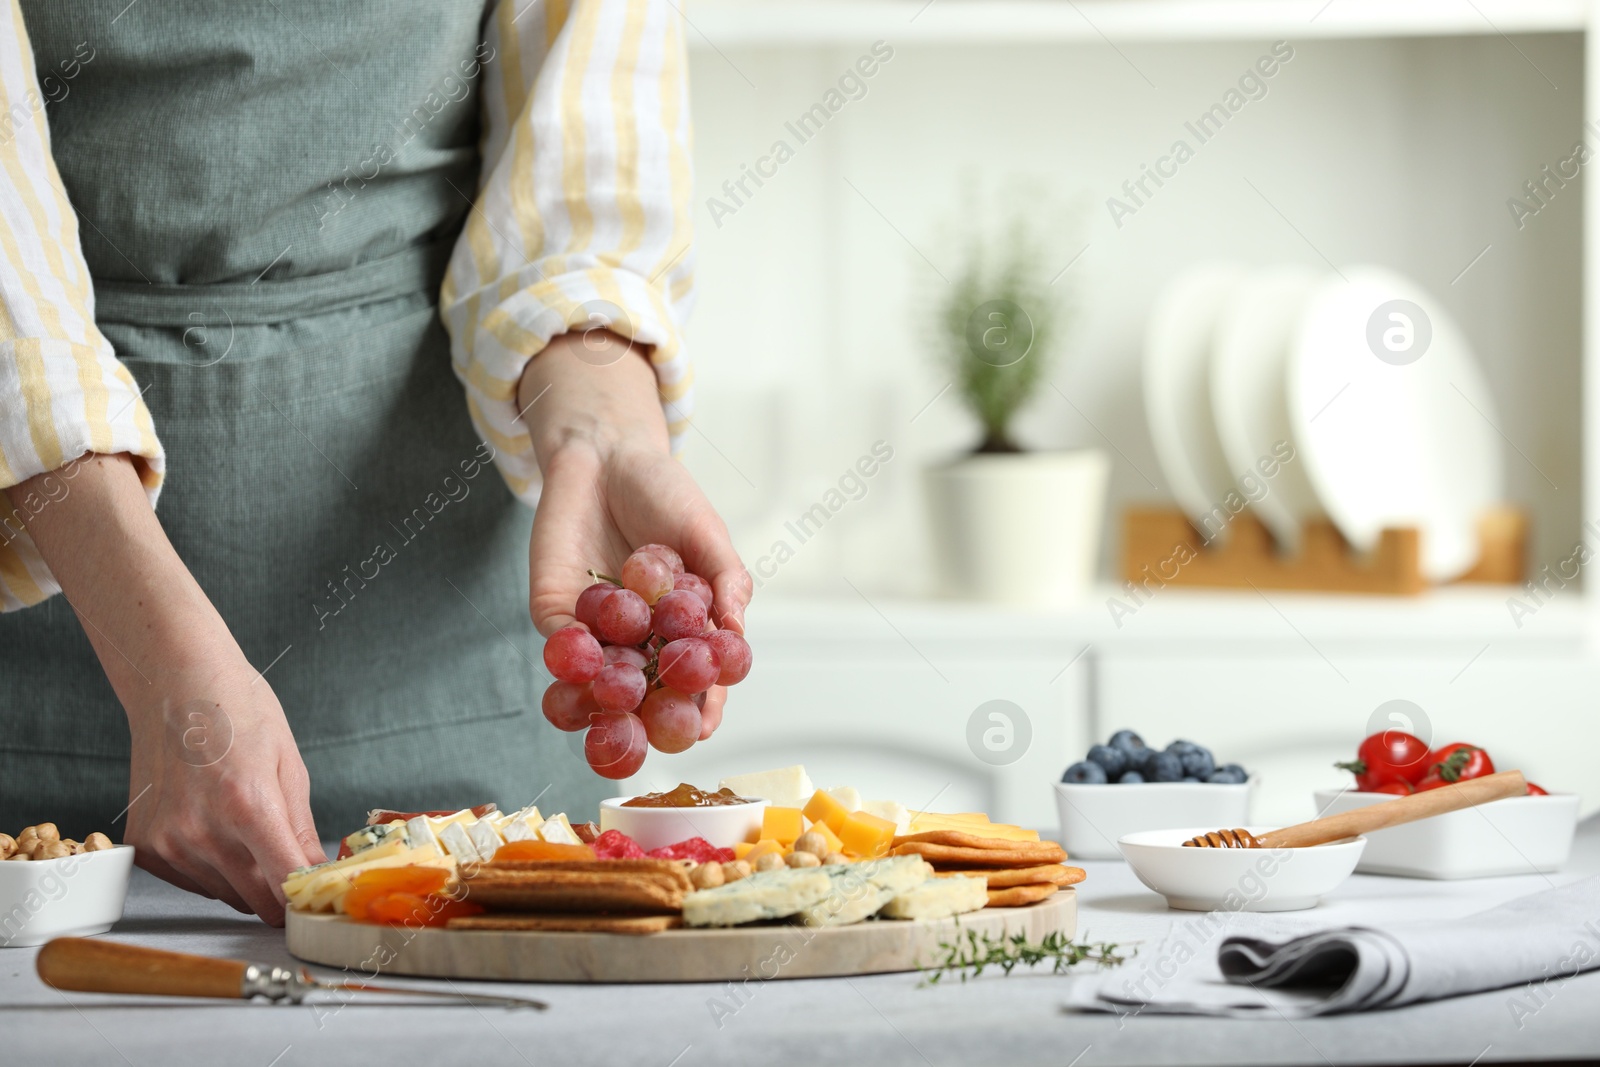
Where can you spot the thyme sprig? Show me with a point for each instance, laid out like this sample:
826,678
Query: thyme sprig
969,955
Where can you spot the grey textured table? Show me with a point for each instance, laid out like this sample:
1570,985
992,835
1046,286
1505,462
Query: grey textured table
882,1020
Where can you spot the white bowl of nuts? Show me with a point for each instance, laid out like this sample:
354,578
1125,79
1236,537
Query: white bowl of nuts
53,887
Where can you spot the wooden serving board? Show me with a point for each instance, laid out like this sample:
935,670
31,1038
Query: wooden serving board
710,955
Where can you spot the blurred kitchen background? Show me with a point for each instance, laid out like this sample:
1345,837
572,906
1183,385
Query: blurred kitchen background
1394,135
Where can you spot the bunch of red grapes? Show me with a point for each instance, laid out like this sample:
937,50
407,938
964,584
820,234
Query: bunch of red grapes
635,668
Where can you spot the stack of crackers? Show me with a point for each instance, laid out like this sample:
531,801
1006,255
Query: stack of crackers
643,896
1018,872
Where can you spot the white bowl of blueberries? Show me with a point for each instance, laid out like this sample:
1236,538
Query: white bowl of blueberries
1125,786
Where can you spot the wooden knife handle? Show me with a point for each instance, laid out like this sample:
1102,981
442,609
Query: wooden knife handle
92,966
1388,813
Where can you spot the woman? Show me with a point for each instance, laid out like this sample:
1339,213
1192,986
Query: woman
279,205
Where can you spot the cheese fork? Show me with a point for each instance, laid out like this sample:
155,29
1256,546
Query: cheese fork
92,966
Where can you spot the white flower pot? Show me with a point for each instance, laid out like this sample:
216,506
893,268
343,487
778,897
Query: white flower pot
1020,528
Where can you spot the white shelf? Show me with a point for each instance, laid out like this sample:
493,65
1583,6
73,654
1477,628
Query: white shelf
721,24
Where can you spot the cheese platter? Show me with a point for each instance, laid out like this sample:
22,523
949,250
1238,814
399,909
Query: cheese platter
766,877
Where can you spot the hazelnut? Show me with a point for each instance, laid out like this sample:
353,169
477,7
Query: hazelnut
707,876
97,841
8,845
833,858
769,861
811,842
73,847
47,831
51,850
732,872
803,859
28,838
19,855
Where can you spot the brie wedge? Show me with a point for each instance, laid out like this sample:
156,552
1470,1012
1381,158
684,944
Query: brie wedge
788,787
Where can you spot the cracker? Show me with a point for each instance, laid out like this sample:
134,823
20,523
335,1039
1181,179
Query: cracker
962,839
1004,877
564,892
958,855
575,924
671,872
1019,896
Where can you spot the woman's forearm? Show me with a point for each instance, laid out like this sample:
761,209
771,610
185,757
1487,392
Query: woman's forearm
141,609
594,389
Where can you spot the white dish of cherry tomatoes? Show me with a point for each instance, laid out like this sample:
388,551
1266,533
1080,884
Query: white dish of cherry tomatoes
1519,835
634,670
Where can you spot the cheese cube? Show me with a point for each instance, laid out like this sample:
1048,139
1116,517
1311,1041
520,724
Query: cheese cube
848,795
825,807
788,787
826,831
742,849
783,825
761,848
485,838
866,835
523,826
459,844
892,810
419,834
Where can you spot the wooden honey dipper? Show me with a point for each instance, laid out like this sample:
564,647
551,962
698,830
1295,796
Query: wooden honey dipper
1378,816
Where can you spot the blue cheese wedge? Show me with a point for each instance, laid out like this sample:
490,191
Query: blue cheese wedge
763,895
939,898
860,890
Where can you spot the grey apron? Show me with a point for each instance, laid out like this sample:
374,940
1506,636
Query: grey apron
269,194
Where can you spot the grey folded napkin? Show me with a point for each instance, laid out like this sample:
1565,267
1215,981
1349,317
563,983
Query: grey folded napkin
1539,939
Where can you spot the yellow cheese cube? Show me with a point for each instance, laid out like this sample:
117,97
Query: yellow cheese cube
825,808
826,831
782,824
866,835
741,849
761,848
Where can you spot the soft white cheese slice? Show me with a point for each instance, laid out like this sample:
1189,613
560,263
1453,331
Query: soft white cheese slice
419,834
848,795
523,826
558,831
485,838
458,843
787,787
892,810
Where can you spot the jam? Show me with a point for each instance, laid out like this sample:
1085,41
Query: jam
686,796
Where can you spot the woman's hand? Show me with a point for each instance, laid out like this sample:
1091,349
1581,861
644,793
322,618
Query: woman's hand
219,800
610,485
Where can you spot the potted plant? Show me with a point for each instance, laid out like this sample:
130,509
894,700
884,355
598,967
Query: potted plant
1009,525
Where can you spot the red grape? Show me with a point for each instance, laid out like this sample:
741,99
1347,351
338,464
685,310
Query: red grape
624,618
696,585
688,665
573,655
626,654
615,744
648,575
589,601
619,687
680,613
667,555
733,653
568,705
671,720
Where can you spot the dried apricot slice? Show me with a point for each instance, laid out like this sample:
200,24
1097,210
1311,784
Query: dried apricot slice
369,885
541,850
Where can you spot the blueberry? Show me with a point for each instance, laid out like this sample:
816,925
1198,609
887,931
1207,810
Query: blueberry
1238,771
1130,778
1225,776
1126,739
1181,746
1165,767
1198,762
1085,773
1191,778
1112,760
1138,758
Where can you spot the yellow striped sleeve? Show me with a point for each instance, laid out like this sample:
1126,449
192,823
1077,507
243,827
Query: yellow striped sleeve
582,212
63,394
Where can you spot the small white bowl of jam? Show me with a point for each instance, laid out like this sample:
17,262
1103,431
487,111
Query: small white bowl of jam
657,819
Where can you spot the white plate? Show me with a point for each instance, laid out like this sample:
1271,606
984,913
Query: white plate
1094,817
1517,835
72,896
1249,397
1393,443
1238,879
1177,395
723,825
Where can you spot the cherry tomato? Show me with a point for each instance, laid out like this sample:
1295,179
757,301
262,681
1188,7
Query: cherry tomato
1388,756
1399,789
1537,790
1459,762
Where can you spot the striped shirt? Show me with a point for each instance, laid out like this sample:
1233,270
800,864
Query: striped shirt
582,219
